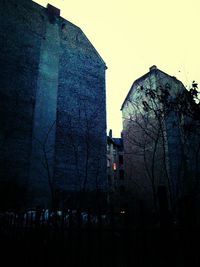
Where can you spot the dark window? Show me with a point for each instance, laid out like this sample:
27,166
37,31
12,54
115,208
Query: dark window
121,174
121,159
63,26
122,189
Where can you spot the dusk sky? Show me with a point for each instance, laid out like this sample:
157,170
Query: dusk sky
133,35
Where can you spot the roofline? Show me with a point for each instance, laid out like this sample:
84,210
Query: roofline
98,55
143,77
62,18
111,139
101,59
131,89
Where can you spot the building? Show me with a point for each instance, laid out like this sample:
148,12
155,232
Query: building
161,141
115,171
52,110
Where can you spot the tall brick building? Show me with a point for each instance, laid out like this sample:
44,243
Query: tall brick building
161,142
115,171
52,108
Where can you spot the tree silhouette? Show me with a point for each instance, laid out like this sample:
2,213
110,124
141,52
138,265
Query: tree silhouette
158,118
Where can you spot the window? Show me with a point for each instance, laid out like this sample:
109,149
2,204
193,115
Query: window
114,166
108,163
122,189
121,160
108,149
121,174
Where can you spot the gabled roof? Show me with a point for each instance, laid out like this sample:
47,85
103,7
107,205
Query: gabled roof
152,69
81,35
115,141
53,11
118,141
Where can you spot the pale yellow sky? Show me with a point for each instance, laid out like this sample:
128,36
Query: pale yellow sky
133,35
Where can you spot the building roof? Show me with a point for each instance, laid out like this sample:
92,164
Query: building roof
118,141
55,12
115,141
152,69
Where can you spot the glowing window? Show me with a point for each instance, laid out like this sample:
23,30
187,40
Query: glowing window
114,166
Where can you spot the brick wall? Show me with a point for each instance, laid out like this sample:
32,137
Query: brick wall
52,92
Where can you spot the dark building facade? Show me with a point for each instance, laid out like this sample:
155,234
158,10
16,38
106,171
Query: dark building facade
52,107
115,171
161,142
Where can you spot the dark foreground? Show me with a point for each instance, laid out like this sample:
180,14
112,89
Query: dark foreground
85,240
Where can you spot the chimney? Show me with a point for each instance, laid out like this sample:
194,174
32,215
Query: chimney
110,133
53,13
153,68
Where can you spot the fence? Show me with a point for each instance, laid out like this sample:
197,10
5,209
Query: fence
80,238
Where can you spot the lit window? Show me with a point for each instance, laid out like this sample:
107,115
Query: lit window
114,166
122,211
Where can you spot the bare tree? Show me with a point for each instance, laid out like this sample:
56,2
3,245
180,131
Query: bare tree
145,148
88,151
46,149
155,116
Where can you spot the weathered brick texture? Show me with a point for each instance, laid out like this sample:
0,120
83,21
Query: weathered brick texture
52,106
